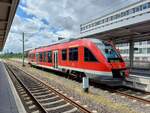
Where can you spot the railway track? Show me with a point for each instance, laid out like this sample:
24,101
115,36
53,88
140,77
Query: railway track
134,94
38,97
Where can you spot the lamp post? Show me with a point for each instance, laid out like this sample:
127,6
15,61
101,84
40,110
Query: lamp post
23,43
23,49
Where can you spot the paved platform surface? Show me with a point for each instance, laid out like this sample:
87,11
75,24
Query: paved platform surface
7,101
139,80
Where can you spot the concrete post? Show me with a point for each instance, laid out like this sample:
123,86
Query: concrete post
131,53
85,82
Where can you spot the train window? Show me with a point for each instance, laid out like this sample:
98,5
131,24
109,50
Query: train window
44,57
73,54
64,54
88,56
40,57
49,56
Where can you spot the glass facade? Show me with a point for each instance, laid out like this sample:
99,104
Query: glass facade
141,50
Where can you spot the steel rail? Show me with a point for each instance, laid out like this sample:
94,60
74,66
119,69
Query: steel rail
80,107
23,85
132,97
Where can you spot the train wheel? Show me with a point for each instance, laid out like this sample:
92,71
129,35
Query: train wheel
67,74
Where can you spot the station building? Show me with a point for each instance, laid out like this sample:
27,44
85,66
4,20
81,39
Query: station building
141,51
127,24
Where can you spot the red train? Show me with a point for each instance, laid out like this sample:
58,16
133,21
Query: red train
89,57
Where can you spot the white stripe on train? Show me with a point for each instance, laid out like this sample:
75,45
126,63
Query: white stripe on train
99,73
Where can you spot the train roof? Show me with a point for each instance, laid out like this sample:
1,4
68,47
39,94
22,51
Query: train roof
94,40
64,41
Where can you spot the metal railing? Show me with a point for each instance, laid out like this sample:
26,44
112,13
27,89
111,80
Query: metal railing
139,64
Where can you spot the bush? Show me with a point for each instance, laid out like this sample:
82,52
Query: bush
11,55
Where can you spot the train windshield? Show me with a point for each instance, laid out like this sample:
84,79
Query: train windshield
108,51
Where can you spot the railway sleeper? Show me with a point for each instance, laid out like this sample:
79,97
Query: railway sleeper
61,109
51,105
52,99
49,95
42,93
54,102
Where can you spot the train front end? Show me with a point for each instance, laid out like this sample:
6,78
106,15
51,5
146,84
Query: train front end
113,60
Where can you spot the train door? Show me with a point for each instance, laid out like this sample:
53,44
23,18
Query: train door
37,57
55,63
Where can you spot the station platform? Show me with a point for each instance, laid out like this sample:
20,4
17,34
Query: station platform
9,99
138,81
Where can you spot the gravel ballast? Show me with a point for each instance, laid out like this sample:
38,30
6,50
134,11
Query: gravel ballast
97,99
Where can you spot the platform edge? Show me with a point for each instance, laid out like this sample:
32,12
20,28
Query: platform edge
19,104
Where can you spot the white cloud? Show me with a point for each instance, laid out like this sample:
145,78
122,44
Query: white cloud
62,19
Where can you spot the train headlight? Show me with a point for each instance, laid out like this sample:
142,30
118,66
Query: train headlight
122,73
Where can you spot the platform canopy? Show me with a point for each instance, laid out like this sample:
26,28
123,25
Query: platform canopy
135,33
131,23
7,12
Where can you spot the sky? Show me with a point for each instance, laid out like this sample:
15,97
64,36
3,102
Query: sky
43,21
